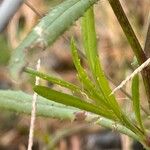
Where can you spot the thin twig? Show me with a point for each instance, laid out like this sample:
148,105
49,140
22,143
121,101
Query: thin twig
33,113
33,9
138,70
121,89
127,94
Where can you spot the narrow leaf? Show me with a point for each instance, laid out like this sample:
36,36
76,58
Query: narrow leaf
90,44
76,102
136,100
70,100
54,80
92,91
89,37
20,102
104,87
111,100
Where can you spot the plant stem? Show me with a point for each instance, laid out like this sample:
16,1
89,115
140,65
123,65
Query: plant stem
126,26
136,47
117,127
20,102
29,4
112,125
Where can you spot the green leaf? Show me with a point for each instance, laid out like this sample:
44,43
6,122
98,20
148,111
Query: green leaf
90,89
48,30
54,80
70,100
136,100
90,44
21,102
89,37
105,88
111,100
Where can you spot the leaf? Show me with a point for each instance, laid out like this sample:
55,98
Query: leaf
70,100
89,87
48,30
136,100
89,37
92,89
111,100
54,80
90,44
105,88
21,102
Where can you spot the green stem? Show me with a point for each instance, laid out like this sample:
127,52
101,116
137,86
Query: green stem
20,102
136,47
14,101
126,26
117,127
112,125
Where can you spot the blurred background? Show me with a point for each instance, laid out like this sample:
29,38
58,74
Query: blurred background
117,59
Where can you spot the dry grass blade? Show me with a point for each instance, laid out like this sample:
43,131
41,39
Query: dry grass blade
138,70
33,113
